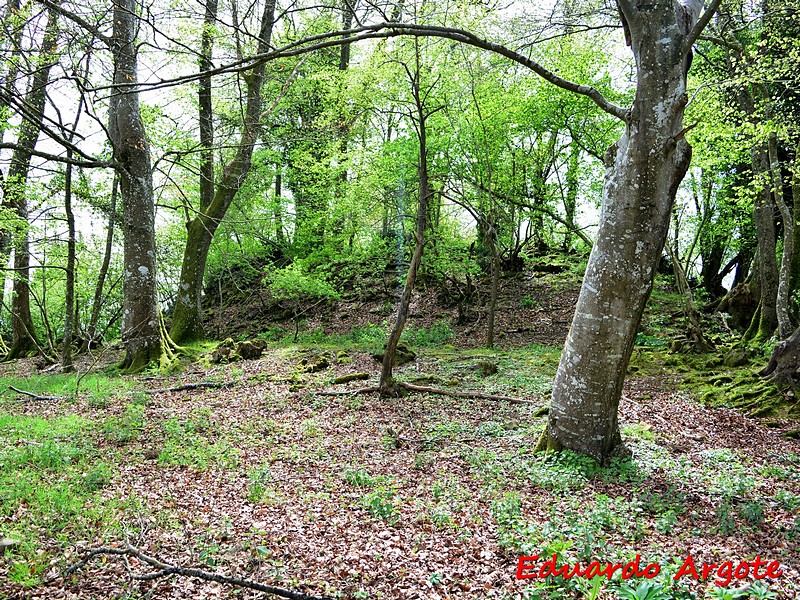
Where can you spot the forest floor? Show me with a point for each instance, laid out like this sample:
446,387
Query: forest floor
353,496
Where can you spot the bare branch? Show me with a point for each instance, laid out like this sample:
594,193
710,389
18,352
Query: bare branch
163,570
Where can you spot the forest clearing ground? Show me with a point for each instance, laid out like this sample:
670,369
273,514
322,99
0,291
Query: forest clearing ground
423,496
419,497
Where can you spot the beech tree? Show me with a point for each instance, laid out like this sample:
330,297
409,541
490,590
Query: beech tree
24,336
643,171
141,327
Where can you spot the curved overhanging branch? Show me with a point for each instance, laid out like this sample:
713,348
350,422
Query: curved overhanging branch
389,30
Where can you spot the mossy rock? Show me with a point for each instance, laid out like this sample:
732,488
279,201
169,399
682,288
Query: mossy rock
314,362
251,349
737,357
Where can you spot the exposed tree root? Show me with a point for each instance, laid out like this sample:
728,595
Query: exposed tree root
429,390
163,569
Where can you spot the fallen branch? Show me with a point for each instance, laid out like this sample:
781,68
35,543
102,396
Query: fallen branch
188,386
356,392
429,390
165,570
35,396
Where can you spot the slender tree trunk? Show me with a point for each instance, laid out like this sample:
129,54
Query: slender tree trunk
643,171
71,310
278,211
14,188
97,303
206,108
187,321
785,328
496,267
69,293
385,385
141,334
571,199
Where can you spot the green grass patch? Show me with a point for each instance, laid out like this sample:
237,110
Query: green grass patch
70,385
52,481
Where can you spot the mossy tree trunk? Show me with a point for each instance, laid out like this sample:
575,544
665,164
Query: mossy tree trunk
187,319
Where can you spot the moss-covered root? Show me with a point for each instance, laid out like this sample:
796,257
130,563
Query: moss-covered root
547,443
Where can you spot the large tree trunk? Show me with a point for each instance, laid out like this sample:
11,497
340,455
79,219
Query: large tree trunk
764,218
15,197
187,320
13,35
140,328
643,171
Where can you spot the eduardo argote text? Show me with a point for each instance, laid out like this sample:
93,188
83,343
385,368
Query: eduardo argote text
723,573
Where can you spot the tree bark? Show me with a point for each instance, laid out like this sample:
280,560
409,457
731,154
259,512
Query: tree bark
14,190
643,171
785,328
140,327
764,218
187,320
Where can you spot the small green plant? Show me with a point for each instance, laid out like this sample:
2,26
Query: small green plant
259,479
753,513
507,509
422,460
361,478
726,523
761,592
98,477
643,431
380,503
436,578
722,593
126,428
643,590
528,302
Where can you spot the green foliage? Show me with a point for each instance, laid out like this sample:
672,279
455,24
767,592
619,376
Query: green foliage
440,333
125,429
52,485
293,284
381,503
643,590
188,442
259,483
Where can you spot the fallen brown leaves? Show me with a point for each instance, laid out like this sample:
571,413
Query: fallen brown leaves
293,513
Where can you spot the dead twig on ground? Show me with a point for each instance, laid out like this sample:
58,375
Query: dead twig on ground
166,570
36,396
429,390
189,386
